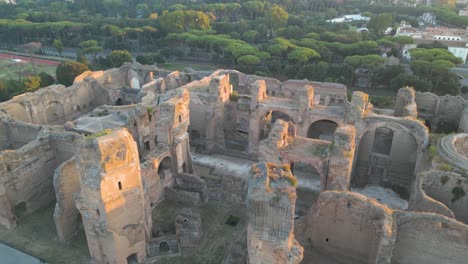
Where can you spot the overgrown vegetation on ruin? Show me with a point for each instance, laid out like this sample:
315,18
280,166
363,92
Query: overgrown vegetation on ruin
321,151
99,134
234,96
446,167
444,179
458,193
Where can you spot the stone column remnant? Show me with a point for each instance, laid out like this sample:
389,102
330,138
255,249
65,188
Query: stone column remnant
271,202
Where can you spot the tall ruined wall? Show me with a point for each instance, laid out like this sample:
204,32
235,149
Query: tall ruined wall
443,112
341,159
442,186
421,202
271,201
112,203
66,185
28,172
347,227
405,104
208,103
429,238
15,134
463,127
56,104
350,228
328,93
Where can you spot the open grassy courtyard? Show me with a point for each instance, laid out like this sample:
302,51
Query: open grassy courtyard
24,68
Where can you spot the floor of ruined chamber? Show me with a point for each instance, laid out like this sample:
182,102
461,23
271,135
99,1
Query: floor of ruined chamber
231,166
461,145
36,235
223,165
383,195
218,241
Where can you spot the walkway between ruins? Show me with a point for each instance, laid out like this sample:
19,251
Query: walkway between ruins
10,255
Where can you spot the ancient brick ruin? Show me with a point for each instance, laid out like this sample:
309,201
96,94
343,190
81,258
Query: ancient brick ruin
108,149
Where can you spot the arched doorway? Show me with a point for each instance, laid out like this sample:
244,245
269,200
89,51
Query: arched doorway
165,168
119,102
322,129
387,157
269,119
54,113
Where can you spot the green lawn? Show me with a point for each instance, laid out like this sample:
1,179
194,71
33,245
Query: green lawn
9,70
180,66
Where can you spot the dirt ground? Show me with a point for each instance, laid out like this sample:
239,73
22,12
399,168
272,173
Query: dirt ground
36,235
219,241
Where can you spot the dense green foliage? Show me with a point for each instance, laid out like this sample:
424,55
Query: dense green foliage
285,39
67,71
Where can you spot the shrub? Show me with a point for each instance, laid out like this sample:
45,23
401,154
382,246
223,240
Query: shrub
276,198
117,57
46,79
4,93
400,191
464,89
148,59
232,220
234,97
382,101
321,151
32,83
458,193
444,179
433,151
445,167
66,72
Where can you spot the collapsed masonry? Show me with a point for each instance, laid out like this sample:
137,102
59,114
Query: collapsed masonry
113,145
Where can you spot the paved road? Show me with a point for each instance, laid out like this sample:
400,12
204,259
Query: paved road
463,72
10,255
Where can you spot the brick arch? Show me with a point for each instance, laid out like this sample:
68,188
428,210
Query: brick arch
323,129
387,155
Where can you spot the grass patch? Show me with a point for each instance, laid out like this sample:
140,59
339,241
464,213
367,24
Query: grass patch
458,193
232,220
99,134
433,150
445,167
10,70
164,216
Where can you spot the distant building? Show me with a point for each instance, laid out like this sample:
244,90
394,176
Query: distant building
405,51
463,12
460,52
454,38
349,18
428,18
